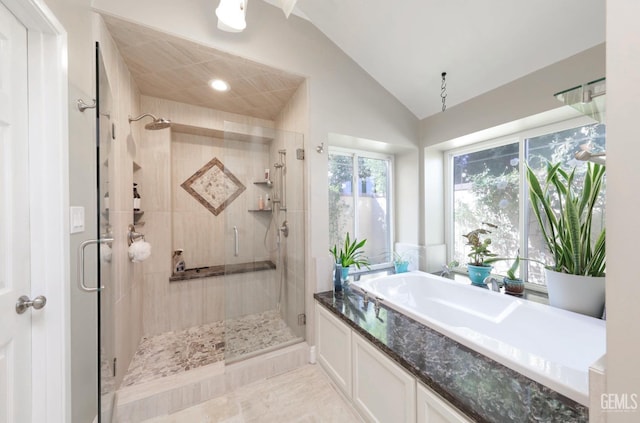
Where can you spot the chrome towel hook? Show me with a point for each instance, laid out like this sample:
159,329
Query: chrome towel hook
82,106
134,236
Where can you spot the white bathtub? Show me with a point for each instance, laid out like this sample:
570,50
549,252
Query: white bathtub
551,346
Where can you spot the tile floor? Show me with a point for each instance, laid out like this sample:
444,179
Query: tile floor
171,353
304,395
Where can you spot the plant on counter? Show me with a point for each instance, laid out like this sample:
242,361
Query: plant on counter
401,261
513,284
565,218
351,254
478,270
576,279
479,248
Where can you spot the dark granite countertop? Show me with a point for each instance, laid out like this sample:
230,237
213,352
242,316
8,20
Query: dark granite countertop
221,270
483,389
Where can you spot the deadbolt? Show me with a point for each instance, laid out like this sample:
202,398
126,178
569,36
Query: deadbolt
24,303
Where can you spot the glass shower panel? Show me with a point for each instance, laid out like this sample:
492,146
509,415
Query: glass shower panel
106,322
264,239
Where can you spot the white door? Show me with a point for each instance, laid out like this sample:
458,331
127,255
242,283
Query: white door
15,329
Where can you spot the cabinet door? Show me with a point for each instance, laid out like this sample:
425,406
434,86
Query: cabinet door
382,390
434,409
333,343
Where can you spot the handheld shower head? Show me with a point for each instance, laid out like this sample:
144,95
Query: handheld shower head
158,123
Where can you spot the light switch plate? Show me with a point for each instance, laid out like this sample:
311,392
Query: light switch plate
76,219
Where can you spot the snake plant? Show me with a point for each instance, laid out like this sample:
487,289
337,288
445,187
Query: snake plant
565,217
350,254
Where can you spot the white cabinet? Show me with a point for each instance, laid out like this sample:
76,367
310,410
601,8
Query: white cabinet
333,342
382,390
434,409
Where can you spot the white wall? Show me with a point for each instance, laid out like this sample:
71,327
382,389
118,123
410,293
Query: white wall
623,205
75,16
527,96
407,204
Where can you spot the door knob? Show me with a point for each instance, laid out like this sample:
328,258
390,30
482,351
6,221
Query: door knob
24,303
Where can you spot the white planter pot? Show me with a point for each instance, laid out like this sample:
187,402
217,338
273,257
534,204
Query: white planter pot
582,294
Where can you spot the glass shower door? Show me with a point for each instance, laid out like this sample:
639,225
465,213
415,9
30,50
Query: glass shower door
106,340
264,240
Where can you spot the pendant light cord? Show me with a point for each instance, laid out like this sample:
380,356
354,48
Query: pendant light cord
443,91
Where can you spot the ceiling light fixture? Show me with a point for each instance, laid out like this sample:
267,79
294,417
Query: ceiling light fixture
219,85
231,15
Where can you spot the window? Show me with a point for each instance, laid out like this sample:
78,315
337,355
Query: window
487,184
359,201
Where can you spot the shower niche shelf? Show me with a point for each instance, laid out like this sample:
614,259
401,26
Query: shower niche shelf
260,210
136,166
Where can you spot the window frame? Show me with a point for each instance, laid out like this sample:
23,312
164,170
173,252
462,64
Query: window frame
354,154
523,193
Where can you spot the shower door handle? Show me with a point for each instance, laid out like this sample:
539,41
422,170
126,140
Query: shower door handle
236,245
80,263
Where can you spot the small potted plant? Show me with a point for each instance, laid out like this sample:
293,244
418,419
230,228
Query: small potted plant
478,269
351,254
513,285
401,262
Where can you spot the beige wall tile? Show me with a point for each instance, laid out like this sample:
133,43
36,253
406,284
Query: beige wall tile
186,302
123,334
157,231
155,307
214,299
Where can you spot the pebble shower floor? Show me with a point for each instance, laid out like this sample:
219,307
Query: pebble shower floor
174,352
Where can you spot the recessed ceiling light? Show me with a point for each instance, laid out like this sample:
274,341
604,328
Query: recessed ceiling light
219,85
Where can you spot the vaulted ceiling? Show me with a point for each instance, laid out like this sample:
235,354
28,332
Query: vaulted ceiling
405,45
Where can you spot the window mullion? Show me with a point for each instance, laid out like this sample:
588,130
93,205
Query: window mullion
523,194
356,189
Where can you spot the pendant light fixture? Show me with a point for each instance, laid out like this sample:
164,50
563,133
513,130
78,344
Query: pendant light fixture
231,15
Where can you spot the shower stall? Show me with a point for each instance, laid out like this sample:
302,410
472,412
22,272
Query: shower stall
239,226
229,196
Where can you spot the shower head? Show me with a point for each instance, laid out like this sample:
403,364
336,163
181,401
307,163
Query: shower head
158,123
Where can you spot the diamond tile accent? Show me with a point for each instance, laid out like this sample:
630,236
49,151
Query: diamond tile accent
214,186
